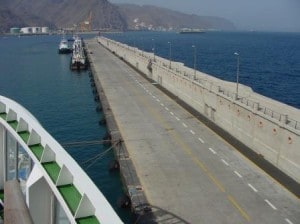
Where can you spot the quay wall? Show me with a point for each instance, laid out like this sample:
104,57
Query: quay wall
270,128
138,201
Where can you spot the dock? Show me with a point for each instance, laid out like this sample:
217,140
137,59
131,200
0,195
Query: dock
175,169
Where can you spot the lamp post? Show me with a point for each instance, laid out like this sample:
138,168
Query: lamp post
153,49
195,50
170,53
237,73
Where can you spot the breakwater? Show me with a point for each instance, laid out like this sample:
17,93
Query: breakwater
135,197
271,129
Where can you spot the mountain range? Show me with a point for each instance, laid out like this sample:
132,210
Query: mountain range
105,15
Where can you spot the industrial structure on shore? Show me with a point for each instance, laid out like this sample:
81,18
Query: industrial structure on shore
29,30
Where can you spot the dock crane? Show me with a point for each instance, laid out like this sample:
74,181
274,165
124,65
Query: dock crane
86,25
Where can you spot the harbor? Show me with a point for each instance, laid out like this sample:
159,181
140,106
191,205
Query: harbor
67,118
74,119
179,162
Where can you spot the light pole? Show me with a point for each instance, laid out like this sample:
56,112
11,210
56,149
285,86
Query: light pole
237,73
153,49
195,50
170,53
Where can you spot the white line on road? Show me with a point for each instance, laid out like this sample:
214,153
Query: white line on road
238,174
184,125
167,108
270,204
177,118
157,100
172,113
154,97
227,164
192,132
288,221
201,140
213,151
162,104
253,188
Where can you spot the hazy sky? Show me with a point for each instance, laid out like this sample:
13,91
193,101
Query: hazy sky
277,15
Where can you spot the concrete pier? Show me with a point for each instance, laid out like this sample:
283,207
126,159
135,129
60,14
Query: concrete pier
175,165
267,127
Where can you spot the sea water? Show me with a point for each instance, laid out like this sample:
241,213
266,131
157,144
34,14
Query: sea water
269,62
36,76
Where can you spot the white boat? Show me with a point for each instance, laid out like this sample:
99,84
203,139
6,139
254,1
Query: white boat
191,31
78,60
39,180
64,47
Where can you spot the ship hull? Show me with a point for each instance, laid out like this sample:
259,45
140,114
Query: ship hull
64,51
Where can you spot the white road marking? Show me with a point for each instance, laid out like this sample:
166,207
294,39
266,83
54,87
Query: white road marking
192,132
201,140
157,100
288,221
177,118
167,108
162,104
213,151
253,188
154,97
172,113
238,174
225,162
270,204
184,125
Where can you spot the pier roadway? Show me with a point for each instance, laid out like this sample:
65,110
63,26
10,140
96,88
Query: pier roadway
188,173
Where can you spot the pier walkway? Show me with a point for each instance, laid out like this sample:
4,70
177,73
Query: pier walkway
188,173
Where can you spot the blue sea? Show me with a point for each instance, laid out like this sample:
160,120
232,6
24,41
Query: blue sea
36,76
269,62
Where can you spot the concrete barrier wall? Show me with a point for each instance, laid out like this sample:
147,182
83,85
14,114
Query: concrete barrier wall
270,128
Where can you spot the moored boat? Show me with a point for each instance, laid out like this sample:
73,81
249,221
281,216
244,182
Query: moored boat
191,31
78,59
64,47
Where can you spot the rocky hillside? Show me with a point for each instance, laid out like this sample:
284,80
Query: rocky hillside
151,16
67,13
8,19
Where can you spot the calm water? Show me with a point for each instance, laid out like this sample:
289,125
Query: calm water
269,62
33,74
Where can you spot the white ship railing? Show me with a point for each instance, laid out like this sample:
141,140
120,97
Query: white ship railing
29,133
